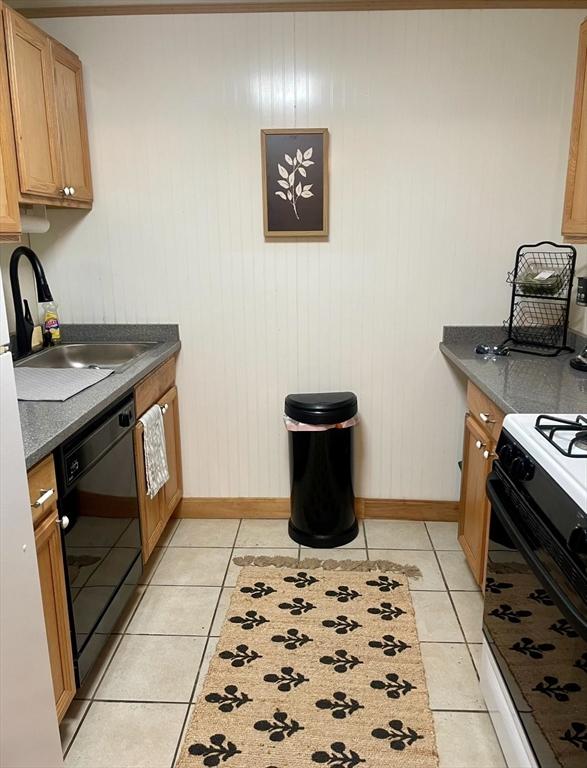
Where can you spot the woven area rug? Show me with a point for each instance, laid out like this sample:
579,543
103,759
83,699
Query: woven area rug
314,667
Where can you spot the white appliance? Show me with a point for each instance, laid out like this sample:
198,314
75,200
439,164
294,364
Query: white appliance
534,657
29,735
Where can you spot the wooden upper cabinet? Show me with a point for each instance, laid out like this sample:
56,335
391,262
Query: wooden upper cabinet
49,117
575,208
9,210
33,106
71,120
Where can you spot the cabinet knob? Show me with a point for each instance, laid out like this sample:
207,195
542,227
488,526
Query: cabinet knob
63,521
72,190
489,455
164,407
65,191
45,496
486,418
479,444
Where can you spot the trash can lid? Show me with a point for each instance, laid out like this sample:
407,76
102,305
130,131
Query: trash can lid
321,407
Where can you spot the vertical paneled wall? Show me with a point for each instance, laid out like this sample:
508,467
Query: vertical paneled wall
449,138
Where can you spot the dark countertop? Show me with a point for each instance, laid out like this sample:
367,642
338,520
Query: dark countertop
45,425
518,383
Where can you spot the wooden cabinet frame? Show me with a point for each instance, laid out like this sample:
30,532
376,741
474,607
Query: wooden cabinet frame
9,210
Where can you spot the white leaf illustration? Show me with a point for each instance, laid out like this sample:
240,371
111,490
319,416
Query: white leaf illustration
283,183
299,155
308,162
289,195
302,172
295,161
281,194
307,187
282,171
307,193
299,188
291,179
289,160
308,153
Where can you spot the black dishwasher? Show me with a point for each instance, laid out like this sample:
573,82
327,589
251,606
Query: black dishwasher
99,516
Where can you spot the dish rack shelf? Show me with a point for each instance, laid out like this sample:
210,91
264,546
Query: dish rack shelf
542,281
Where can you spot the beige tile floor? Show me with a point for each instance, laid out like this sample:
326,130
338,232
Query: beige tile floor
132,711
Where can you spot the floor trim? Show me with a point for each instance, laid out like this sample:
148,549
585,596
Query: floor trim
278,508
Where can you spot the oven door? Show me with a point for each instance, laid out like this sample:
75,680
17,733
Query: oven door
535,624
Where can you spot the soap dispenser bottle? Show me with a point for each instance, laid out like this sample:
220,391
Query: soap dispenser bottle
51,320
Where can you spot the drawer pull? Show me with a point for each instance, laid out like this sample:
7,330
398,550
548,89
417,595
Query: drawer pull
164,407
489,455
63,521
486,418
479,444
45,496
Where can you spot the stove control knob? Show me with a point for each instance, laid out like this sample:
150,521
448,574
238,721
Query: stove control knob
124,419
578,540
522,468
506,455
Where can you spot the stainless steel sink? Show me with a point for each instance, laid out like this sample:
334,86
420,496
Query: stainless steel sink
114,355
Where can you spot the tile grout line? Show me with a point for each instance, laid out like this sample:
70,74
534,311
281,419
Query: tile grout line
193,691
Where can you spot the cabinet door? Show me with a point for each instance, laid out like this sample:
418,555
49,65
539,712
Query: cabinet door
173,487
71,120
9,210
33,106
152,511
53,592
474,505
575,209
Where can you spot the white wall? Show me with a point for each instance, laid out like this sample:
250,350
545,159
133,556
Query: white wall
449,140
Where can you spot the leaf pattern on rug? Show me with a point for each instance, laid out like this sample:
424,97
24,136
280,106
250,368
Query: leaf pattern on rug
229,700
258,590
297,607
399,737
287,680
250,620
541,596
551,687
528,647
342,661
581,663
390,645
340,707
279,728
384,583
505,612
496,587
216,751
393,685
342,625
292,640
387,611
576,735
241,656
338,757
343,594
563,628
301,580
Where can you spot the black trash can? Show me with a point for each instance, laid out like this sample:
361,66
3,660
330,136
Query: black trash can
321,468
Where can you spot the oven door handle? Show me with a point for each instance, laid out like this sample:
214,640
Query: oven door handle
498,506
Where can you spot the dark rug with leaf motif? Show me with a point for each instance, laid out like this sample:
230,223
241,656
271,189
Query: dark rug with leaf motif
314,667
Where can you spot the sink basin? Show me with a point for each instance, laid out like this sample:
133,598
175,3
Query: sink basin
114,355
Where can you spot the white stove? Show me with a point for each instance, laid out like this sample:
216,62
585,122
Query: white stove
555,445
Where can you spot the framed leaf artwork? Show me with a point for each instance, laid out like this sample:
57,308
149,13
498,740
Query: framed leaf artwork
295,182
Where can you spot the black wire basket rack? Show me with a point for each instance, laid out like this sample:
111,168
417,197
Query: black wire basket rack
542,281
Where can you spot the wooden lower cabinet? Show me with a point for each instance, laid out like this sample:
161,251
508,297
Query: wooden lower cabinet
155,513
54,595
475,508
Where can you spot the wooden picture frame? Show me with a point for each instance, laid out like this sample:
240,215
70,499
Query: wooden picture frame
294,171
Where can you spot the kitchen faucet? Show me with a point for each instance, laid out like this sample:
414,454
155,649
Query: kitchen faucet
24,326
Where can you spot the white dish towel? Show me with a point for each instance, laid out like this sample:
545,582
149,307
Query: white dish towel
156,469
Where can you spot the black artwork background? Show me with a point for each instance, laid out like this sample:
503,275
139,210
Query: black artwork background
280,213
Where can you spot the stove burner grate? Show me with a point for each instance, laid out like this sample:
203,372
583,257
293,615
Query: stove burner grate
550,426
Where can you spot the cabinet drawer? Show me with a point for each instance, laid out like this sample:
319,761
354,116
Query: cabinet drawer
42,480
484,411
149,390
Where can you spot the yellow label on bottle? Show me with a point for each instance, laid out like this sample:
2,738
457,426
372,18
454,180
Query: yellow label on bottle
52,325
